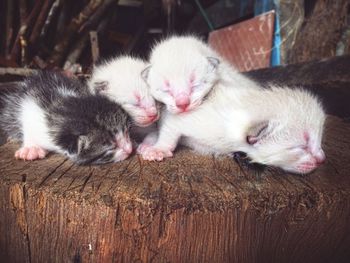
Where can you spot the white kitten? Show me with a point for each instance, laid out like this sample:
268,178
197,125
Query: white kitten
120,79
277,126
183,71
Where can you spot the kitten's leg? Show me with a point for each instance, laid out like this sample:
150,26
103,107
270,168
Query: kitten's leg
148,141
163,148
30,153
34,136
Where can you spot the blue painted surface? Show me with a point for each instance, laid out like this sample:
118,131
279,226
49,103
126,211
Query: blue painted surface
263,6
276,48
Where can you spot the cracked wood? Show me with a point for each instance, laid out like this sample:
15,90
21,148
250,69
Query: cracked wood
189,208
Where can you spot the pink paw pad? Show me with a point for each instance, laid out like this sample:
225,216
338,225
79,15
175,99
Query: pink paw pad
154,154
30,153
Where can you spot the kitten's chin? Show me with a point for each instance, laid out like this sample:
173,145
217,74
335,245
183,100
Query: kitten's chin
302,168
144,122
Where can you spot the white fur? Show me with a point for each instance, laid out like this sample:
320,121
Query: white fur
125,84
34,126
221,124
176,60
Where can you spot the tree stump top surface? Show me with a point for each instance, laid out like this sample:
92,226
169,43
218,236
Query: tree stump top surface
188,181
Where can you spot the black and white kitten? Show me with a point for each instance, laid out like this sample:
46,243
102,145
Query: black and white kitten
51,112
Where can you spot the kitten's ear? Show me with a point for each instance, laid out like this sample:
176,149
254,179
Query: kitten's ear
257,131
82,143
213,63
100,86
145,73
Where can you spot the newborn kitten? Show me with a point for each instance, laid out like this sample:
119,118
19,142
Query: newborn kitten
280,127
120,79
50,112
183,72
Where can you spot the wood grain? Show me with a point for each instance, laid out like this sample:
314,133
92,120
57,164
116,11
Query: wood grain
187,209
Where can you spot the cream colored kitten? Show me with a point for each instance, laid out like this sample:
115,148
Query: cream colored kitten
120,79
277,126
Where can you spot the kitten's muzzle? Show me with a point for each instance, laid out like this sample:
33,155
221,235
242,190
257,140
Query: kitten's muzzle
315,160
149,116
146,120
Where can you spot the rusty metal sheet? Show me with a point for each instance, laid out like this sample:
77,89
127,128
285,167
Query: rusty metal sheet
247,45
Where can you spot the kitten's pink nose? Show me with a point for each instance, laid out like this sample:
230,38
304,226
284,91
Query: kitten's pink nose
182,101
152,118
320,157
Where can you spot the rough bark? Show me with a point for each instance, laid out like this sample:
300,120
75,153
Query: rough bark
320,31
187,209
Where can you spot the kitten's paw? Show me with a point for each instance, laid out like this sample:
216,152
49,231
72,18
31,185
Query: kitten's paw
30,153
143,147
154,154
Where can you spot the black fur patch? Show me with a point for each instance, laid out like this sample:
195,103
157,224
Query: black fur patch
245,163
72,112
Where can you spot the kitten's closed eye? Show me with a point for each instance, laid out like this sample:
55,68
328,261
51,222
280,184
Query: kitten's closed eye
299,147
256,132
163,89
197,85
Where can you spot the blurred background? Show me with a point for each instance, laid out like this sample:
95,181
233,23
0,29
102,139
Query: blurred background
252,34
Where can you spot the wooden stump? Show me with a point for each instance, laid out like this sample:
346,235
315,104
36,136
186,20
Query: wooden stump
187,209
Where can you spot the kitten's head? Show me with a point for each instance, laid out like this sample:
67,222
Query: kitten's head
120,79
95,132
183,71
292,140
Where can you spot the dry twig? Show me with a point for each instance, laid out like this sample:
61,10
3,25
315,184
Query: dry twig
61,47
95,52
17,71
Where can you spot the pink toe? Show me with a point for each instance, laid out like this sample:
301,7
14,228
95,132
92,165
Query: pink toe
23,153
41,153
159,156
32,154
